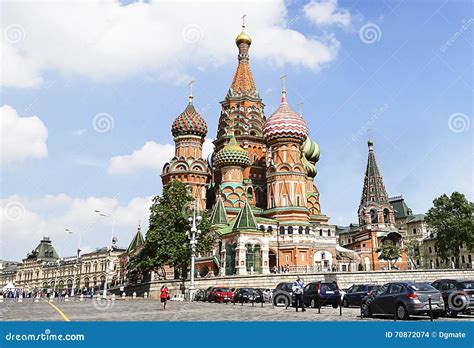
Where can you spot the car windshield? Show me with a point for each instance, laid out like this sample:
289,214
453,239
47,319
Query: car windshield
421,287
328,286
467,285
224,289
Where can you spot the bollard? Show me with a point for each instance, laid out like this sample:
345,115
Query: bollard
66,298
20,298
123,295
431,308
81,298
319,306
340,307
134,295
113,297
145,295
395,313
37,298
253,303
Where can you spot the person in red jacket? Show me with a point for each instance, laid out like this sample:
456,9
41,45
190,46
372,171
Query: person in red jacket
164,296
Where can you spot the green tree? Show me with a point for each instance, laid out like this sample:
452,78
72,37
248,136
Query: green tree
413,251
389,251
451,218
166,241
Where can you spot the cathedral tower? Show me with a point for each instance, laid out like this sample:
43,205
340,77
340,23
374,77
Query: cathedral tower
189,131
242,116
285,131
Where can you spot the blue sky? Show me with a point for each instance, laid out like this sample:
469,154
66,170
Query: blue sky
71,64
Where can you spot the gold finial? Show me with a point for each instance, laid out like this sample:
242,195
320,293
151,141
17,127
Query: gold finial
243,37
243,21
283,88
300,107
190,84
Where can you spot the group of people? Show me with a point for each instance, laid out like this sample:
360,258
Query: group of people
284,269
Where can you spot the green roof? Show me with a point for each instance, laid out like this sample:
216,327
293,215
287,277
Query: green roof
44,250
400,207
245,220
137,241
374,189
219,215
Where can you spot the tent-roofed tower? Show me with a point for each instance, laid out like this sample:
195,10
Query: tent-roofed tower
242,116
374,206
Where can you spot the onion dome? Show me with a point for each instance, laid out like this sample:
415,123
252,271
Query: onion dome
189,122
210,160
285,123
232,155
310,149
310,153
243,37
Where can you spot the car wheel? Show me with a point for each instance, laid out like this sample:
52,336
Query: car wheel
345,303
402,312
281,300
435,315
335,305
451,313
365,311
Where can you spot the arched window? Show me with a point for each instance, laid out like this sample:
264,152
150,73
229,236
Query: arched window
290,229
307,229
386,216
270,229
300,230
374,216
321,232
262,228
282,229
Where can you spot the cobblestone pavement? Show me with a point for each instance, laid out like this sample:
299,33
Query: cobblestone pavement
151,310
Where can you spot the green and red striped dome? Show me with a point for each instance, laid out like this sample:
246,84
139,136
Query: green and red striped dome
189,122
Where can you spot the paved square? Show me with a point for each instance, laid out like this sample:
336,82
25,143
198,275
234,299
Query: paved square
151,310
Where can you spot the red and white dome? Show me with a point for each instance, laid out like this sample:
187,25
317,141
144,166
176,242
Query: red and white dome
285,123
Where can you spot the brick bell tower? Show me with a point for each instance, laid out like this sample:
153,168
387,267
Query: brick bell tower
189,131
242,117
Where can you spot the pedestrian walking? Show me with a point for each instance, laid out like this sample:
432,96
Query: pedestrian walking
164,296
297,288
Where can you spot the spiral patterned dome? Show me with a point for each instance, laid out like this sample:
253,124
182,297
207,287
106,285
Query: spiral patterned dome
232,155
285,123
310,149
189,122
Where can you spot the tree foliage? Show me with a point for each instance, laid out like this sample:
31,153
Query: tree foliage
451,218
390,251
166,241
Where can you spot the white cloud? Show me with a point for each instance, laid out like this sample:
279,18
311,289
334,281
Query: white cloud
326,12
21,137
28,219
105,40
150,156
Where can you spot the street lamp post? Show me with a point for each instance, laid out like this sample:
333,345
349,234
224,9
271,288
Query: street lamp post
76,266
110,247
193,235
58,261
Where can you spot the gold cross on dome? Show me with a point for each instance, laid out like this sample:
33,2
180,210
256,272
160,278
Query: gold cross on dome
243,21
191,83
300,107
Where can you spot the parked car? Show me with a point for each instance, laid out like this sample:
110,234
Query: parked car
458,296
247,295
283,295
199,294
205,295
320,293
220,294
266,294
354,295
403,299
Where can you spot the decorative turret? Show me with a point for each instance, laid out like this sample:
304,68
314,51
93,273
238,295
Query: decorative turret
137,242
189,122
232,155
219,215
246,219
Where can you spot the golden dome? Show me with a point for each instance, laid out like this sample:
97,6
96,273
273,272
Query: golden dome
243,37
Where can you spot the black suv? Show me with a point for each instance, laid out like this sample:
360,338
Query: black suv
317,294
458,295
283,295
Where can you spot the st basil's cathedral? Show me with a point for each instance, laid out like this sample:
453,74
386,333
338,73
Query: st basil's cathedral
259,184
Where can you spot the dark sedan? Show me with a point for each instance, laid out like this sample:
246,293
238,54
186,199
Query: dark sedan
458,296
355,294
321,294
244,295
403,299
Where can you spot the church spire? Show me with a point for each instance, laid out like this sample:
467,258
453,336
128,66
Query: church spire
374,188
